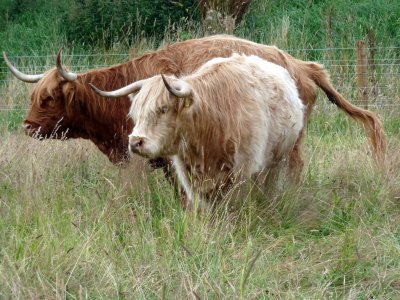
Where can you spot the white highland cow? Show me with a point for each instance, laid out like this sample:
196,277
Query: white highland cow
234,116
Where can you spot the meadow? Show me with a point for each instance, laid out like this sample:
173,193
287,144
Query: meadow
74,226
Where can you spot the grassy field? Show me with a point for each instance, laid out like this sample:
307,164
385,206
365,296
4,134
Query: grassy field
74,226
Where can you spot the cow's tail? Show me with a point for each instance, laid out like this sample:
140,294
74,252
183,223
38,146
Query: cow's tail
367,119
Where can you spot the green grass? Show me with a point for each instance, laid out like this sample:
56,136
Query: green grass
12,119
74,226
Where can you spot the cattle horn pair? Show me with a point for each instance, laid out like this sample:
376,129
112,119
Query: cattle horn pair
35,78
179,88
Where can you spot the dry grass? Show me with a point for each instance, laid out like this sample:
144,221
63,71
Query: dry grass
74,226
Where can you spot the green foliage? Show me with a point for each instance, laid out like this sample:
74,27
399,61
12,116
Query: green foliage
288,24
314,24
29,27
91,22
5,7
86,23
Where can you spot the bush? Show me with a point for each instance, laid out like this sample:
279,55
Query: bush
31,26
106,22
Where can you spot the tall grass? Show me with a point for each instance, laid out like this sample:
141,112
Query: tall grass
74,226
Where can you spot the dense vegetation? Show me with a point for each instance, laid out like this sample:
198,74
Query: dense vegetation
107,22
89,23
320,24
84,24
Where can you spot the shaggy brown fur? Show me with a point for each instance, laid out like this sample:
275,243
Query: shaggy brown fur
105,122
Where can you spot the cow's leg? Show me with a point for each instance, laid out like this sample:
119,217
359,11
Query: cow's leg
296,162
192,197
184,201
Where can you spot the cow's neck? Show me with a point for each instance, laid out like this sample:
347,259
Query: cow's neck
103,121
110,136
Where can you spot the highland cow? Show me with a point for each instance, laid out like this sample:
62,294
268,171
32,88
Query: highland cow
235,117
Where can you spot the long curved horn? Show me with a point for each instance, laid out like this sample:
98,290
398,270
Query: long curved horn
19,74
126,90
70,76
179,88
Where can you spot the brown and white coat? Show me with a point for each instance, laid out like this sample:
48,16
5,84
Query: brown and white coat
235,117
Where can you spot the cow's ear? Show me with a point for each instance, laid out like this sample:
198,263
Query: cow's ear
183,104
187,102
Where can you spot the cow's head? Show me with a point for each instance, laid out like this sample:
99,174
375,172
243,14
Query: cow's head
157,110
48,115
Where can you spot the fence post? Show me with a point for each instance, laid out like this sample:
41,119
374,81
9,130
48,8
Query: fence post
362,80
371,62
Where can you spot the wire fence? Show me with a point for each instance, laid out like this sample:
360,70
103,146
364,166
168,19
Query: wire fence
381,68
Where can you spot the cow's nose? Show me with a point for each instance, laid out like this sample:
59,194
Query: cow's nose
27,126
135,142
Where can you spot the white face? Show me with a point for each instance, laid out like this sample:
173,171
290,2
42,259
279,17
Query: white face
155,115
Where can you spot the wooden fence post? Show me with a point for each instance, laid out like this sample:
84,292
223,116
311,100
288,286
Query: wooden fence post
371,62
362,76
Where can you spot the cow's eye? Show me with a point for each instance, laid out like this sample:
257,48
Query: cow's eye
164,109
45,102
